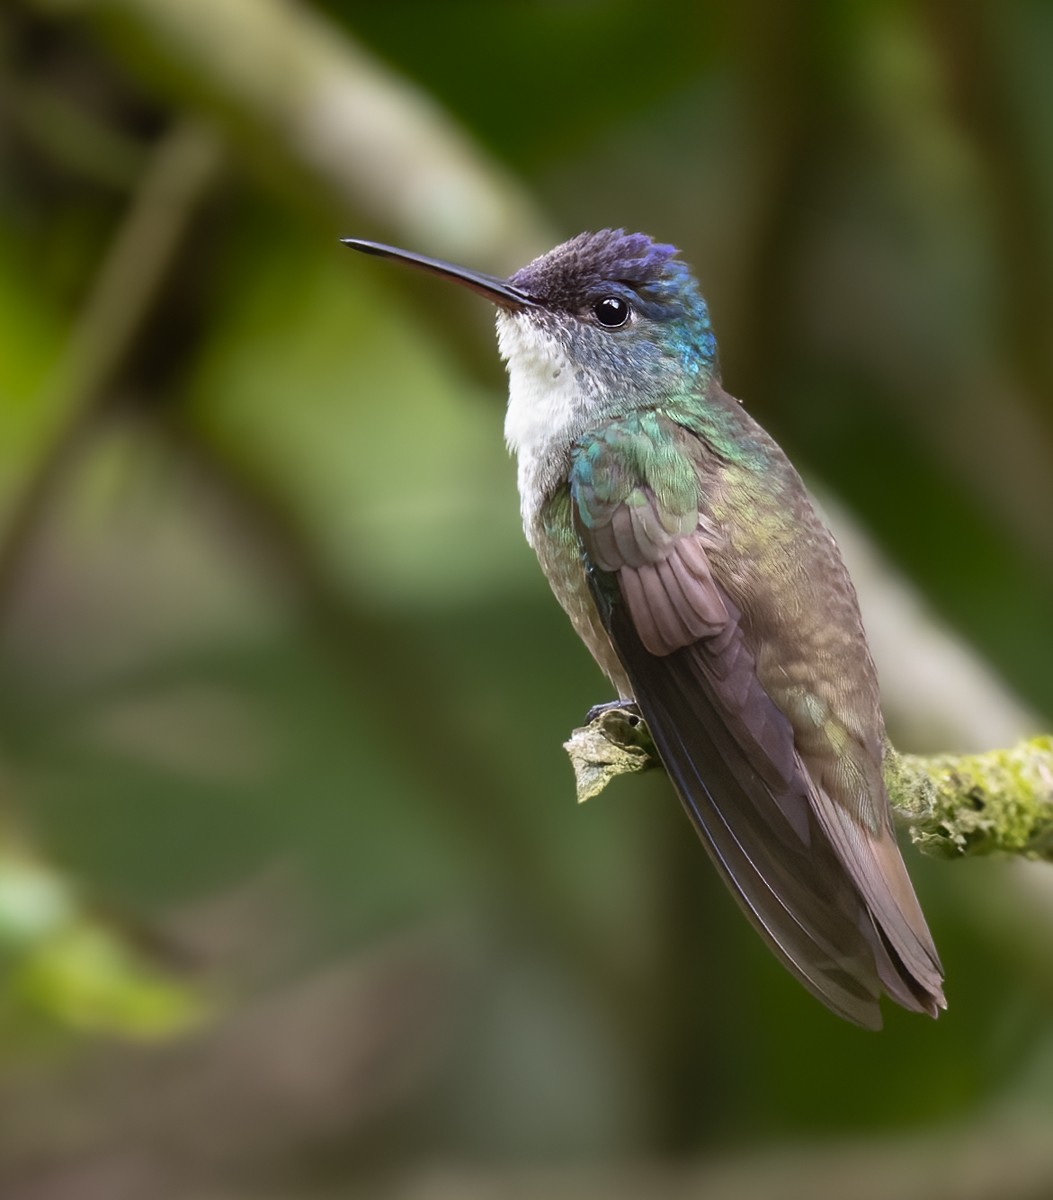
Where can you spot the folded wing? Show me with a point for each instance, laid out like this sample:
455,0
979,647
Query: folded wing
829,895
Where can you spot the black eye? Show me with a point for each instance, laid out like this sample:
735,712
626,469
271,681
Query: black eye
611,311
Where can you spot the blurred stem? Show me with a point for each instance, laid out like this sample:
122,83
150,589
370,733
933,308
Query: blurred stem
789,110
992,82
953,805
121,299
296,90
70,136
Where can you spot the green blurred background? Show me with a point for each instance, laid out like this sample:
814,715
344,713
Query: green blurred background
294,897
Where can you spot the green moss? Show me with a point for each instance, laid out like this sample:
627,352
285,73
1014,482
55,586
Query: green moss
999,801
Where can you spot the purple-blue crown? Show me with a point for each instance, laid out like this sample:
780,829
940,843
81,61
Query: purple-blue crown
566,277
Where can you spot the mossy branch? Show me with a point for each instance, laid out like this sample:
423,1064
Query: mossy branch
952,805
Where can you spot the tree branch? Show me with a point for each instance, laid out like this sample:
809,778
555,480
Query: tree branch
952,805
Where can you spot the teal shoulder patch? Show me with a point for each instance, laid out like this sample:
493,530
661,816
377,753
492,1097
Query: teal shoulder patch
630,462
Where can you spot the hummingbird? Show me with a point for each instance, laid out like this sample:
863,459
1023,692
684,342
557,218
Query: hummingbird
691,561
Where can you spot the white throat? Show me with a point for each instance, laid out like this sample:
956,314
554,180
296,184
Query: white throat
546,403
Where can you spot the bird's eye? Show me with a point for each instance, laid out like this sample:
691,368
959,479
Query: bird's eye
612,312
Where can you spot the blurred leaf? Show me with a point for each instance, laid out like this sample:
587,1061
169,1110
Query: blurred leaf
67,967
31,341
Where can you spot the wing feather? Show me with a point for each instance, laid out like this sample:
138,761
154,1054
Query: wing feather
831,898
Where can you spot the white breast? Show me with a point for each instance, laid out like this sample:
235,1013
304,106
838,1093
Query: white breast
546,405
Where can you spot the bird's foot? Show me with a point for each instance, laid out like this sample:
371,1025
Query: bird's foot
629,707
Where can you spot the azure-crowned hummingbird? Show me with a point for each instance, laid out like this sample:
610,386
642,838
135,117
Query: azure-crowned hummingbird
685,549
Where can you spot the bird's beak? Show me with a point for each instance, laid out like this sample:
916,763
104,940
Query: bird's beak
498,291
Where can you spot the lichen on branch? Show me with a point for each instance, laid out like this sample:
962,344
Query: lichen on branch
951,805
970,804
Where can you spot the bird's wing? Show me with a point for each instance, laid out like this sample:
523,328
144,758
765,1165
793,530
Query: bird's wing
806,874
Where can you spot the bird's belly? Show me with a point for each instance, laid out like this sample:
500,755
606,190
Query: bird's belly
560,560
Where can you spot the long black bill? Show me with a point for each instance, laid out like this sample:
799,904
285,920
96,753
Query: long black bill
498,291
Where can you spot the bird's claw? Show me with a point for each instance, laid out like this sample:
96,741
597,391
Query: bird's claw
630,707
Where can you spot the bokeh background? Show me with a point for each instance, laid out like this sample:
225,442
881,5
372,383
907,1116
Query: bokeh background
294,897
